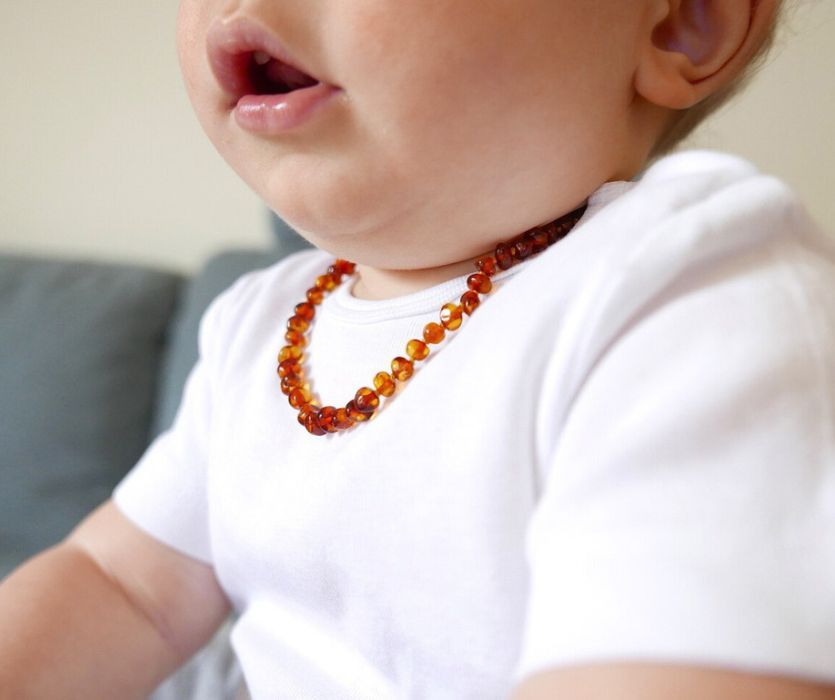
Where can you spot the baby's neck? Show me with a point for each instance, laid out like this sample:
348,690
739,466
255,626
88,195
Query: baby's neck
377,284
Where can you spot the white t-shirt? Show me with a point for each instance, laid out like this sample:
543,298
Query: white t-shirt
626,453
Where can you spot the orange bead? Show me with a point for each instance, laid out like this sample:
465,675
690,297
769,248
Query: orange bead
327,419
433,333
451,316
342,420
290,352
417,349
538,239
479,282
306,410
355,414
306,310
469,302
504,258
521,249
297,323
288,367
295,338
487,265
299,397
345,267
326,282
384,384
311,423
291,382
402,369
315,295
366,400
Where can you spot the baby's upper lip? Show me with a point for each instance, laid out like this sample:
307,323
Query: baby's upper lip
229,44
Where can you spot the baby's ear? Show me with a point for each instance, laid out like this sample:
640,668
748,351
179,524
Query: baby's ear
694,47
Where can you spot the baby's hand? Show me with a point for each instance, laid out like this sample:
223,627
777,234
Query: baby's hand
110,612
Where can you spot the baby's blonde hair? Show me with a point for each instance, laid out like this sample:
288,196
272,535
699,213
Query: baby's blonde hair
688,119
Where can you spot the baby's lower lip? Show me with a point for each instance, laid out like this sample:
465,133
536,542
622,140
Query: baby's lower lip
271,115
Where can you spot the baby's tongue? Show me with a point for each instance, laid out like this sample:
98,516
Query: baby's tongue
280,72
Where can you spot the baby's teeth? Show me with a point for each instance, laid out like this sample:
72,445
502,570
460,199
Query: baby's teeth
261,58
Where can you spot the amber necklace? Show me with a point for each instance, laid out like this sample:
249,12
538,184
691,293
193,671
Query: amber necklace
329,419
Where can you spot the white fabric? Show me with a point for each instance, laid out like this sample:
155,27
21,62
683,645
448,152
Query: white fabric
627,452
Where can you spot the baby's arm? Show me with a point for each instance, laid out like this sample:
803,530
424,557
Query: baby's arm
109,612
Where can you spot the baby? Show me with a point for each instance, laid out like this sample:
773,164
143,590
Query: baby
547,412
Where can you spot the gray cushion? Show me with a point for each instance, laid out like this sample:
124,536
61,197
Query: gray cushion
80,348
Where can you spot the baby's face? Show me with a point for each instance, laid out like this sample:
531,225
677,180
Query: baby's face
459,122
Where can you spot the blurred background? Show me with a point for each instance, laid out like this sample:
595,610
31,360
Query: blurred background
103,158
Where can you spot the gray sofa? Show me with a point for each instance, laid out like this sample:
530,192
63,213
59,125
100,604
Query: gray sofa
93,360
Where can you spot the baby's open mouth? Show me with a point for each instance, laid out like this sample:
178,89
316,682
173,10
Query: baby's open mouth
269,76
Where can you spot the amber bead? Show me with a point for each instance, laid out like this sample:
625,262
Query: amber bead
306,310
311,422
345,267
384,384
306,410
355,414
290,352
433,333
487,265
342,420
315,295
504,258
402,369
289,367
297,323
295,338
538,240
521,249
291,382
417,349
479,282
326,282
299,397
469,302
327,419
366,400
451,316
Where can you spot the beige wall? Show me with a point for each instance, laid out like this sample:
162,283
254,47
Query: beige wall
102,156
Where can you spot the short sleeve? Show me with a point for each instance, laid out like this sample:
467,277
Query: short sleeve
689,510
165,493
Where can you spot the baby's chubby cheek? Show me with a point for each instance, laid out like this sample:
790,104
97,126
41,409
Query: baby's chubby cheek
442,122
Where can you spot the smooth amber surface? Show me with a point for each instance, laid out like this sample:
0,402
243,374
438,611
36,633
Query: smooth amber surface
521,249
538,240
327,419
315,295
305,411
417,349
487,265
306,310
299,397
295,338
342,420
469,302
355,414
451,316
366,400
345,267
291,382
311,422
297,323
433,333
287,367
326,282
504,259
402,369
290,352
384,384
479,282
